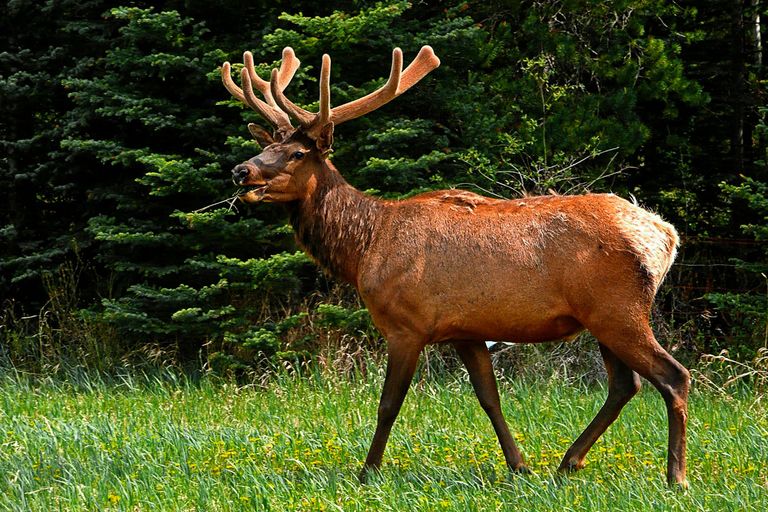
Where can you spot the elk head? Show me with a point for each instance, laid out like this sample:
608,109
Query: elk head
287,168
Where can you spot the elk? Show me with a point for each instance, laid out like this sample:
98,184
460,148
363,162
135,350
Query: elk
456,267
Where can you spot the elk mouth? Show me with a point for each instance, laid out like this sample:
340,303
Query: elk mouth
252,193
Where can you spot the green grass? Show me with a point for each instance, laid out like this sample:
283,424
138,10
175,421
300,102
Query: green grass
297,444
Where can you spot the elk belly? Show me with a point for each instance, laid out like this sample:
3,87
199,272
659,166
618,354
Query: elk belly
516,329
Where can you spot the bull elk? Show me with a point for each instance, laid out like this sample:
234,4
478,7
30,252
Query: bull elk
455,267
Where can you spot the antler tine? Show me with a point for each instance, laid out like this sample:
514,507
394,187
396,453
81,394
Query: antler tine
261,85
271,112
399,81
231,86
324,114
425,61
282,120
304,117
250,98
288,67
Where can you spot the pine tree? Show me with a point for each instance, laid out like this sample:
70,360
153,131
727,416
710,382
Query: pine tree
42,192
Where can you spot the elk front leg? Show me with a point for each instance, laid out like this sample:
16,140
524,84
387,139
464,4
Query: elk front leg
623,384
401,365
477,359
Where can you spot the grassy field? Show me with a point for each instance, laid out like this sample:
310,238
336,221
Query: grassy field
164,443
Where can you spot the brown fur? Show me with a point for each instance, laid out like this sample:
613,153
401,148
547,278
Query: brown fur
501,270
334,226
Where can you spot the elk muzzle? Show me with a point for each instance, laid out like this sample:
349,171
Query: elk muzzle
253,181
240,174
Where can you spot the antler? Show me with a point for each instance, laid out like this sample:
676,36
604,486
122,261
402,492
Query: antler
277,107
399,81
270,110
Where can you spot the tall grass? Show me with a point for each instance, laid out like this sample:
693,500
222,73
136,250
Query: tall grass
166,442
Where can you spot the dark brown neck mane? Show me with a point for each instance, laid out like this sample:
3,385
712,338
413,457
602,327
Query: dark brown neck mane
335,225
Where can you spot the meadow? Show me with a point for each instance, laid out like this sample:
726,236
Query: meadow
166,442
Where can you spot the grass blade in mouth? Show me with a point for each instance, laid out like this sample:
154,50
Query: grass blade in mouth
252,188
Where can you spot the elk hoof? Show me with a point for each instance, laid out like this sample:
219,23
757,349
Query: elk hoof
678,485
522,469
570,466
365,474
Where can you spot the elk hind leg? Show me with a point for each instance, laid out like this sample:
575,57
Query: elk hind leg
636,346
477,360
623,384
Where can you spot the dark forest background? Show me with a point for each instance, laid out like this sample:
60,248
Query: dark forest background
115,130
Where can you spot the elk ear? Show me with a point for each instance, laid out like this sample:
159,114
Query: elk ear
325,139
262,136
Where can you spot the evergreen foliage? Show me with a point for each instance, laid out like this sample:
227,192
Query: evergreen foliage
115,131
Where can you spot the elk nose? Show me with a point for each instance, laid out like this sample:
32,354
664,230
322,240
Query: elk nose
239,173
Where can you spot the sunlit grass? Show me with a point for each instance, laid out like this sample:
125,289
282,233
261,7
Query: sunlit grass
297,444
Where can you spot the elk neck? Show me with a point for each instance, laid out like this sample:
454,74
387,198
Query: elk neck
335,223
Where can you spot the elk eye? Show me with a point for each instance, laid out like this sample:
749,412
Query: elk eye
298,155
